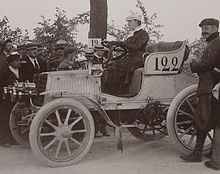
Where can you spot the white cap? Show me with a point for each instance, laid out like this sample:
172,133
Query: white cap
134,16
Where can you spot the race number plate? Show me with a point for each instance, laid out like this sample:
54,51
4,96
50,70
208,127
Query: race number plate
94,41
164,62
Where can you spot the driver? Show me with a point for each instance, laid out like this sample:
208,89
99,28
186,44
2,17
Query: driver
119,73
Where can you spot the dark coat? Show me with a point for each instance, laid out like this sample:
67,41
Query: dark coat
209,60
136,47
118,76
3,70
206,109
28,70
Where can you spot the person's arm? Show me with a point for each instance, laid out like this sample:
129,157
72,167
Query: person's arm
209,62
141,42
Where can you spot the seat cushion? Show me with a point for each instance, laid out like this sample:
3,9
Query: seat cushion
166,47
163,46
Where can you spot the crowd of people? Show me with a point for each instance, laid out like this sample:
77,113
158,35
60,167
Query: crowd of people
27,62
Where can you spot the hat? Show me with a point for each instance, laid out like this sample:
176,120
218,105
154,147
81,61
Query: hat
134,16
20,47
89,52
13,57
32,46
209,21
99,47
61,42
69,50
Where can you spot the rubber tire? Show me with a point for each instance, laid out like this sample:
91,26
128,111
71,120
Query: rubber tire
174,106
40,116
137,134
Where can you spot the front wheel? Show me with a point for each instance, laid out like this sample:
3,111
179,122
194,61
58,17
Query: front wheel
180,121
62,132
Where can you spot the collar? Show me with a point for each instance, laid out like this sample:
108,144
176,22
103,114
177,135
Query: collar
212,36
33,59
6,53
14,70
133,31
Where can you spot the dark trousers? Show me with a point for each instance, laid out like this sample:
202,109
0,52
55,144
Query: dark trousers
205,112
215,158
5,133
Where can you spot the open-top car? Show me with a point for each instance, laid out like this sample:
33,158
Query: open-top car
57,118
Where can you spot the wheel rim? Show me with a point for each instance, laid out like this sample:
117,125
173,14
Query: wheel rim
184,129
147,133
63,134
20,121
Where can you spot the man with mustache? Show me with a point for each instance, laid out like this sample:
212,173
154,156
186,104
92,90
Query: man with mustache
207,70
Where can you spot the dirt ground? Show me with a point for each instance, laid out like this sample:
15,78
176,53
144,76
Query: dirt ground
153,157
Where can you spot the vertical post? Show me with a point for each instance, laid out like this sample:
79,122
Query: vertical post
98,19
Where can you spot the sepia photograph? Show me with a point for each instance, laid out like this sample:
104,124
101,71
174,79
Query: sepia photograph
109,87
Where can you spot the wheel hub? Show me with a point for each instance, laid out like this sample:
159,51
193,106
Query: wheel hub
63,132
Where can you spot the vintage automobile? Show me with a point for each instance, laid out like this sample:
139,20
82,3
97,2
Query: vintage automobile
57,117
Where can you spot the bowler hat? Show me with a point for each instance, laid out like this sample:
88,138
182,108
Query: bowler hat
209,21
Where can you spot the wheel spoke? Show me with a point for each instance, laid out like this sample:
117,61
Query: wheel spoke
184,133
58,149
210,137
75,141
191,106
48,134
50,124
58,118
191,138
25,130
67,148
185,113
67,117
50,144
184,122
76,121
78,131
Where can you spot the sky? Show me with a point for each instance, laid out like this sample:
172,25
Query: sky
179,17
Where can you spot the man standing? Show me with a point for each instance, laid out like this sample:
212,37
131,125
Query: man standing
5,52
205,111
33,65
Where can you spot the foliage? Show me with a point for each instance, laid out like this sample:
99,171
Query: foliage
16,35
121,33
62,28
197,48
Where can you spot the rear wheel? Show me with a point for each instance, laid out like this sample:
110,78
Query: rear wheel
20,120
180,121
150,123
62,133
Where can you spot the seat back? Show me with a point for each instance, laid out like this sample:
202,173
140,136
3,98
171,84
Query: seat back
165,57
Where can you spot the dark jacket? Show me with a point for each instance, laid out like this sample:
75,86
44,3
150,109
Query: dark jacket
10,78
3,70
28,70
136,47
209,60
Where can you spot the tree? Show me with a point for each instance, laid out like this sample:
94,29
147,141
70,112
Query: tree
98,19
197,48
49,32
153,29
15,35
